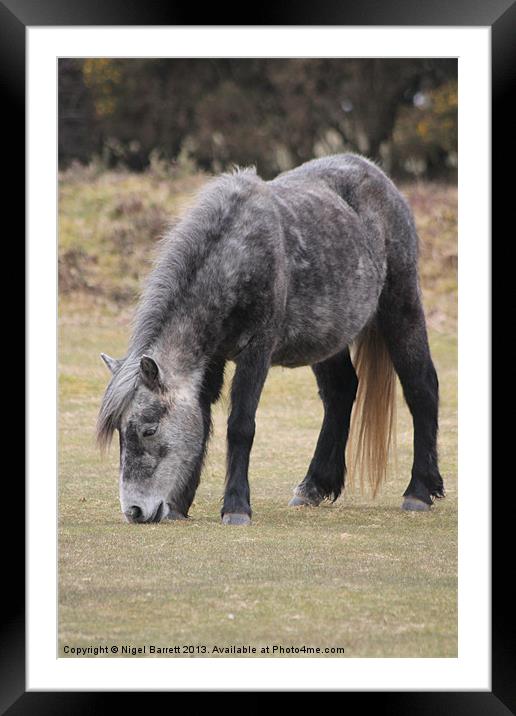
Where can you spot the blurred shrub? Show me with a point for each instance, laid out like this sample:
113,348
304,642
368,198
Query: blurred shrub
274,113
425,135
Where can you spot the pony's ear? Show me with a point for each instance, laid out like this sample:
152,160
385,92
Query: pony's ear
150,372
113,364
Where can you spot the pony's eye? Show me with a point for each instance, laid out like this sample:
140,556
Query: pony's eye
149,431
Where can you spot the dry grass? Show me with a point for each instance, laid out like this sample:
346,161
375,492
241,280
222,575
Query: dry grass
435,212
358,574
109,224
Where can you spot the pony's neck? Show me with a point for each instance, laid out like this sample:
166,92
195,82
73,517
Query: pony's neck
180,312
179,349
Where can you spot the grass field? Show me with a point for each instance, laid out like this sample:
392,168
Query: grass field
359,574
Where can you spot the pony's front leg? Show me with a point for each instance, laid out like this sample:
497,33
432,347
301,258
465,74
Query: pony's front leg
251,371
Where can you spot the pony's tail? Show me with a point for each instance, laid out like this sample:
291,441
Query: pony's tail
372,434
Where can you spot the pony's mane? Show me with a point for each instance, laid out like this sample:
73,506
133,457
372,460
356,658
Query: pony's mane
183,250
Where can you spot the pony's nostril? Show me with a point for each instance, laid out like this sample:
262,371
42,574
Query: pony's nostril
134,512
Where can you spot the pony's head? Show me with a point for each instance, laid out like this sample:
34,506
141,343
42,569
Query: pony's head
162,437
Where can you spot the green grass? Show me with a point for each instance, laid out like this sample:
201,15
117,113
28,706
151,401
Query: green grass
359,574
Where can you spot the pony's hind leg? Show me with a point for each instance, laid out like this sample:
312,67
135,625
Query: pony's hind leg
337,382
402,321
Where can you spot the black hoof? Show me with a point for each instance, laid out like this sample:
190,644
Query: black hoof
413,504
302,500
299,501
236,518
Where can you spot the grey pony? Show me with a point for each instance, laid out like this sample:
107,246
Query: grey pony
300,270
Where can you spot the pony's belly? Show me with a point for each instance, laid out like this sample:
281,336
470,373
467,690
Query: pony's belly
315,330
301,353
311,341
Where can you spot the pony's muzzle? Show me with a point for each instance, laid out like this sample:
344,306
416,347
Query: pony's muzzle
136,514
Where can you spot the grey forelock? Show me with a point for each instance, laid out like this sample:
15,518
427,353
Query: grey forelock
117,398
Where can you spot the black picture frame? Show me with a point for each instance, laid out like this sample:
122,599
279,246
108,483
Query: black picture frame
15,17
